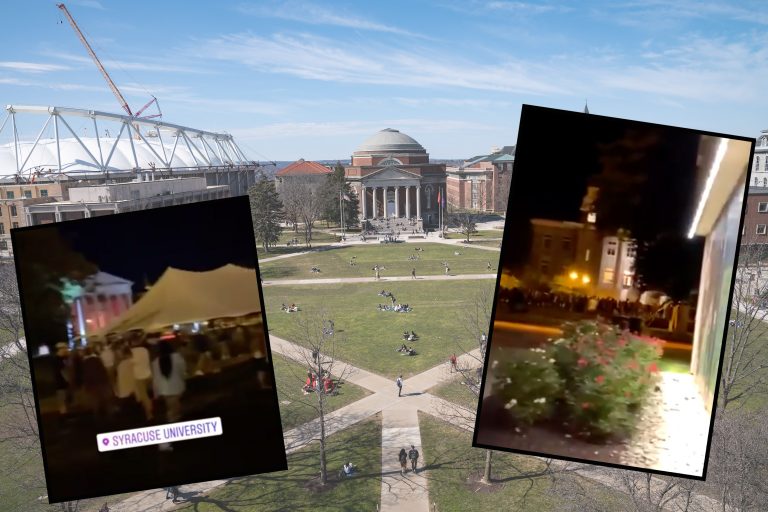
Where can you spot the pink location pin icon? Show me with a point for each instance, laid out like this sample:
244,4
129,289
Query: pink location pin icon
105,441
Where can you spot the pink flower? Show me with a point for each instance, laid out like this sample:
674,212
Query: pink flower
582,362
653,368
600,379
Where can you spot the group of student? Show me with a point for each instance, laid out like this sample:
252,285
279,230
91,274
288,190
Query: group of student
404,457
293,308
325,384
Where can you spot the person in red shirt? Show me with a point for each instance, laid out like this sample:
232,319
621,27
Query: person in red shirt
453,363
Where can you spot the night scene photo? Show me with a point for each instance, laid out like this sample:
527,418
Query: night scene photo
149,355
617,263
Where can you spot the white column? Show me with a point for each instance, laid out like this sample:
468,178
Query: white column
374,202
386,189
362,199
408,202
397,202
418,202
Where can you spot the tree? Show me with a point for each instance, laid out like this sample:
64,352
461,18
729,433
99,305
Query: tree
291,202
316,340
304,200
465,219
661,264
745,364
267,212
48,262
336,192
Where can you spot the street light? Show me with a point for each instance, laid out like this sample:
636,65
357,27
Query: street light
585,279
573,275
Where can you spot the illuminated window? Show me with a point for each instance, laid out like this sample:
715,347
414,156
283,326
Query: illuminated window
608,275
591,217
627,280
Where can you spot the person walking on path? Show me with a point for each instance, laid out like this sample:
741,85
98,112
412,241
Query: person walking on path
169,373
399,383
447,270
453,363
376,270
413,273
489,266
413,454
403,457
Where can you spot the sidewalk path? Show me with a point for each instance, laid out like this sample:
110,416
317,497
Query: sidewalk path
436,277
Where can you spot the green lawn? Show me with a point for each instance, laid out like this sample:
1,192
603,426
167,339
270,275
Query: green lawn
289,490
317,236
455,391
290,377
369,337
485,243
485,233
335,262
454,468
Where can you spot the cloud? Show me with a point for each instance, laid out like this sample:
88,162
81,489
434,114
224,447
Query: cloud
524,7
315,58
151,65
362,128
32,67
304,12
91,4
664,15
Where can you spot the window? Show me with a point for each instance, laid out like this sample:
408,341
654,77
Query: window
756,182
608,276
9,195
43,193
14,225
765,182
760,229
611,251
762,207
757,163
547,241
544,267
591,217
586,255
631,250
28,194
3,245
14,213
2,228
566,243
627,281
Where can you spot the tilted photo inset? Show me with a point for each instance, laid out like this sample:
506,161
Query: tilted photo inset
617,267
148,351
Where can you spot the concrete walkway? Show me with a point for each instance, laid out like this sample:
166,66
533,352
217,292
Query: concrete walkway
332,280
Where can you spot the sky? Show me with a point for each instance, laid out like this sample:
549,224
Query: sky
310,79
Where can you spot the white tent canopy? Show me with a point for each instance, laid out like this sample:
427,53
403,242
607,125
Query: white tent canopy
181,296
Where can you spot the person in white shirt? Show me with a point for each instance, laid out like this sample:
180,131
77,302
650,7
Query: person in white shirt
107,356
169,373
142,373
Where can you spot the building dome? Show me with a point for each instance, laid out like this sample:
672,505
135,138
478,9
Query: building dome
390,141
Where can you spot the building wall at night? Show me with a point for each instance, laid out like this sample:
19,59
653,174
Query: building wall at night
617,268
114,198
105,297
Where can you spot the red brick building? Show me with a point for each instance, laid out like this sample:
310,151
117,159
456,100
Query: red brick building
755,230
482,182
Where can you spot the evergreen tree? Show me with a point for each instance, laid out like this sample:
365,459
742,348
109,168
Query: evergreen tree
337,191
267,212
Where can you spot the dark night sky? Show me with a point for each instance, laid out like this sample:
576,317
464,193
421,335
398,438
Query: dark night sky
558,151
198,236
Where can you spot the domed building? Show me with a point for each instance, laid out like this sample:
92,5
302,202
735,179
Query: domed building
393,178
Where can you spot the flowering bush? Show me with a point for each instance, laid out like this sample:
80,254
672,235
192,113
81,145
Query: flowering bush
607,376
528,384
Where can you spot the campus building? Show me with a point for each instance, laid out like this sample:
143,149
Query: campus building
302,171
482,182
760,163
584,258
15,198
103,298
111,198
755,229
393,178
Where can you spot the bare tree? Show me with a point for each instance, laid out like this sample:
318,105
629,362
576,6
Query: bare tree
738,460
290,194
316,339
302,202
745,365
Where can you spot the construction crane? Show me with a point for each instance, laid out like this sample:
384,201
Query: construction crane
110,83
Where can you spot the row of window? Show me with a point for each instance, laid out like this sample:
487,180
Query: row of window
765,180
27,194
14,225
13,209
